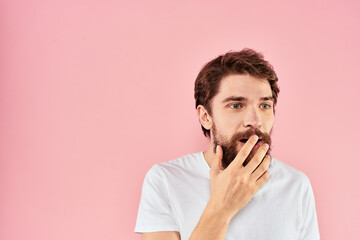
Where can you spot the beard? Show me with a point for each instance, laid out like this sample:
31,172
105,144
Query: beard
230,146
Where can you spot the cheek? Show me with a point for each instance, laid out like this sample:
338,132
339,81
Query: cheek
227,126
231,120
268,124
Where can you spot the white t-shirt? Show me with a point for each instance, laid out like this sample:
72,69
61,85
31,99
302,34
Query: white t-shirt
175,194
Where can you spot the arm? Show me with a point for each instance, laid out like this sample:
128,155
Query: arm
231,190
309,228
161,235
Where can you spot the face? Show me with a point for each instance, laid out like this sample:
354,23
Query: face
243,107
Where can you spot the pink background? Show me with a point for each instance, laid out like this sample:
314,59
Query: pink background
93,93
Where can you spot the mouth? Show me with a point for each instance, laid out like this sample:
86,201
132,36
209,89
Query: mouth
244,140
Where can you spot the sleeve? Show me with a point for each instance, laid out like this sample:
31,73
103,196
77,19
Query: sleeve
155,213
309,229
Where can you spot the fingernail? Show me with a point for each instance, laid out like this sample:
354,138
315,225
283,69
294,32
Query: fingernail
255,137
266,145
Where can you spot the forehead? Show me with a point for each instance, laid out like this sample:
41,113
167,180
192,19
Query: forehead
243,85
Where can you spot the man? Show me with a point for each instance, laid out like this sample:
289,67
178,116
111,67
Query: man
233,190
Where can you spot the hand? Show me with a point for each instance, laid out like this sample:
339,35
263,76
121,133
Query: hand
232,188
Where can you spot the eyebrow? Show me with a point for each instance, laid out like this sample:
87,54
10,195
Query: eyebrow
267,99
244,99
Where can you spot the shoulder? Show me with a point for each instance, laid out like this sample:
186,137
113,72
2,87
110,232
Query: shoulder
188,164
284,169
288,175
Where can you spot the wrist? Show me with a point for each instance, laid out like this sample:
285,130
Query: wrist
213,224
217,212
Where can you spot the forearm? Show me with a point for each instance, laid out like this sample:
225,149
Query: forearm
212,225
231,189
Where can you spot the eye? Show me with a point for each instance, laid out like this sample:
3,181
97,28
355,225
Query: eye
235,106
265,106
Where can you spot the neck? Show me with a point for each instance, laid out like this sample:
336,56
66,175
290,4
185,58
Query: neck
209,153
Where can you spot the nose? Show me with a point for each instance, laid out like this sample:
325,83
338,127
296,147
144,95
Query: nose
252,118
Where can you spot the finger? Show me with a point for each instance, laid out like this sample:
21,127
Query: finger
216,164
258,157
262,180
261,169
244,152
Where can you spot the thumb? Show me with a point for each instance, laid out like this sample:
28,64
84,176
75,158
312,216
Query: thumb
216,164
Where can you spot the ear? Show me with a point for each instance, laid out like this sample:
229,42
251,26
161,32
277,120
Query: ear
204,117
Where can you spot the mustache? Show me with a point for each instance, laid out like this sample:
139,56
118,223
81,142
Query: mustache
250,132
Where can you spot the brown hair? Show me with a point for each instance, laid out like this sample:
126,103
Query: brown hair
246,61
